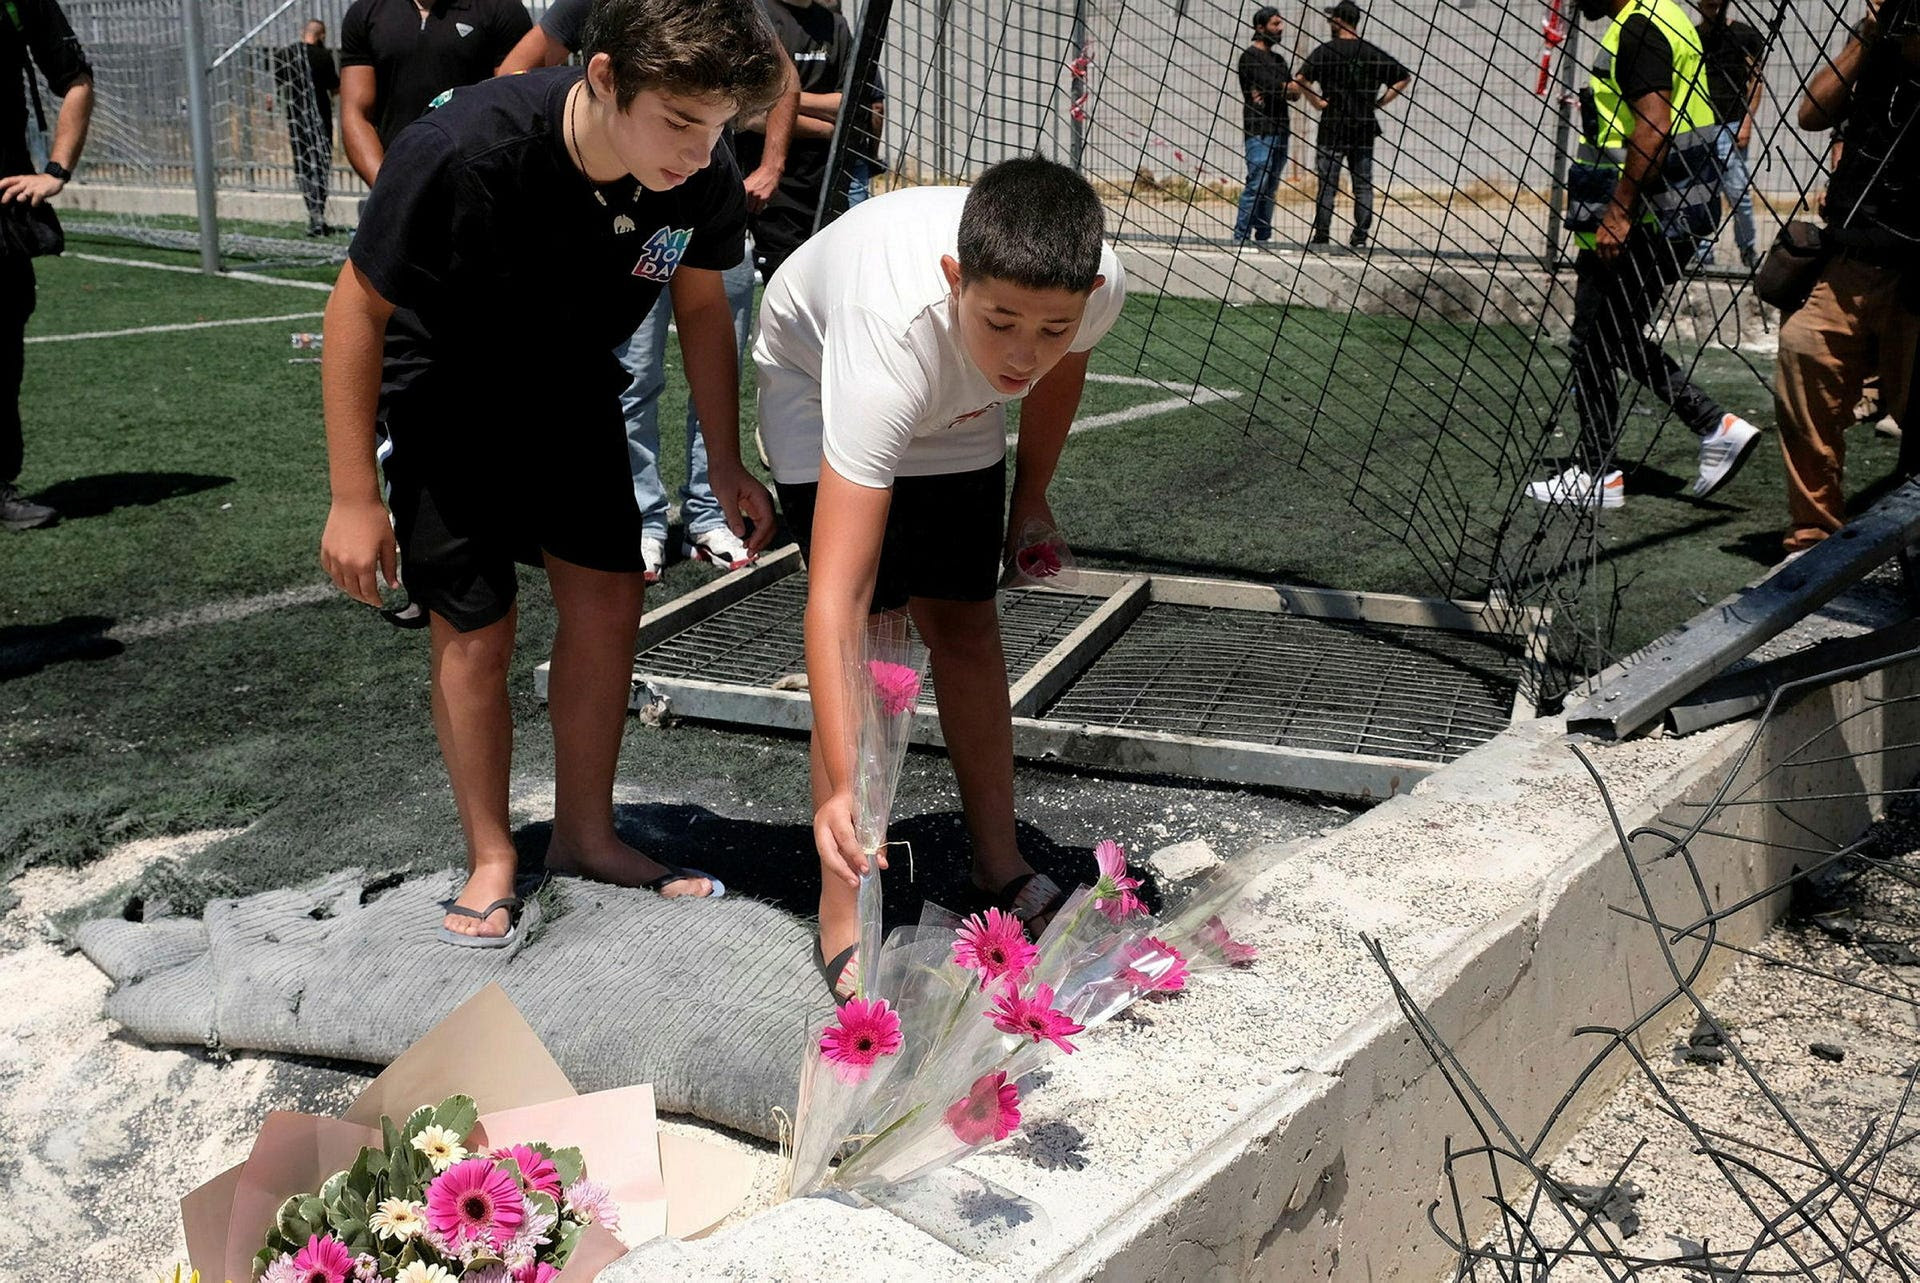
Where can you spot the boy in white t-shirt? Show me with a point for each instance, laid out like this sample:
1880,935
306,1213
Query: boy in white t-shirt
889,346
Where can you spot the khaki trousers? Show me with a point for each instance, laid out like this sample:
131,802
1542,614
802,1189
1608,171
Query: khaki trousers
1852,326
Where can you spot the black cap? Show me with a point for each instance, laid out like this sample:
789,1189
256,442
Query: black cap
1261,15
1346,11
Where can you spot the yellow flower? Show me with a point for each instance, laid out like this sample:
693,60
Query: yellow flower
179,1275
442,1147
398,1220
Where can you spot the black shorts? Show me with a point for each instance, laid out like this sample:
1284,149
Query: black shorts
468,505
944,537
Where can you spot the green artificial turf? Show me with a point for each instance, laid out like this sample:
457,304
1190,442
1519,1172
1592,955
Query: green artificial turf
191,467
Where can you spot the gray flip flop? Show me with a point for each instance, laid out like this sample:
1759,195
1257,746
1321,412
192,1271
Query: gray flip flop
510,903
675,873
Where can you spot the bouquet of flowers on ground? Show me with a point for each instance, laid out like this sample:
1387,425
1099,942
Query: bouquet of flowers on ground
883,679
488,1185
423,1207
923,1067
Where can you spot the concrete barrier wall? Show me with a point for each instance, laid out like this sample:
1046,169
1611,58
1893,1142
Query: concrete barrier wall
1283,1123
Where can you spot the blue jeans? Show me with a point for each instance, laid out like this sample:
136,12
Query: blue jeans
645,357
1735,185
859,180
1266,161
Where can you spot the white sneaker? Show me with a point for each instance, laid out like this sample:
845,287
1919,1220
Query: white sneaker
1577,486
653,557
719,546
1722,451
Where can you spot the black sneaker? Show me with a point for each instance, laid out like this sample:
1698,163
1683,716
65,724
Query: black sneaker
1749,257
17,512
1359,240
1319,241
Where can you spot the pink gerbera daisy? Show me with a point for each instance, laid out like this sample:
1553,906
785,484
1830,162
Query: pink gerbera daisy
474,1199
538,1272
864,1032
1236,953
990,1111
325,1259
1033,1018
1038,560
535,1168
1114,894
897,685
995,945
1147,967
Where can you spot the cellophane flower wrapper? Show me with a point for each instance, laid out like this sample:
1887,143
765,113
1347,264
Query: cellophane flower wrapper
884,669
1207,921
1041,559
833,1114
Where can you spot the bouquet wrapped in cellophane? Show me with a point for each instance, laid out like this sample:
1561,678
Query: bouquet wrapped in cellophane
922,1067
883,670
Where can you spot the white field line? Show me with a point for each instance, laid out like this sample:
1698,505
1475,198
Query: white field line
170,329
1190,395
221,612
255,278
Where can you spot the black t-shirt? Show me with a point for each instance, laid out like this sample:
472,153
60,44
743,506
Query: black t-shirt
1264,72
821,46
514,276
55,51
565,22
1879,170
1350,75
321,76
1733,52
415,60
1643,65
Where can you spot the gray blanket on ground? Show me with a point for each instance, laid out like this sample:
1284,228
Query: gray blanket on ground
706,1000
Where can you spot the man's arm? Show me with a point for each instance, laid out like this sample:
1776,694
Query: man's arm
778,129
358,539
1045,418
69,137
1394,90
705,324
849,523
1830,91
1304,88
357,132
1646,150
536,49
1756,89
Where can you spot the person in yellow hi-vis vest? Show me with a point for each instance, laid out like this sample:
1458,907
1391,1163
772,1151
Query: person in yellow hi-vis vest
1640,199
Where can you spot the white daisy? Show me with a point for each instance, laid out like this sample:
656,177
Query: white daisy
398,1219
442,1147
421,1272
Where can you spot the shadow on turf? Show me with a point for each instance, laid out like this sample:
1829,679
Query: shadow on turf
28,648
1124,560
80,497
775,862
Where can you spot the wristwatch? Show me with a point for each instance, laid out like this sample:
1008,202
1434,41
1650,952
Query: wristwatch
59,171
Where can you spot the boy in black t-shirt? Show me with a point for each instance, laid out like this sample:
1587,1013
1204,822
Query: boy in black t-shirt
530,223
1349,72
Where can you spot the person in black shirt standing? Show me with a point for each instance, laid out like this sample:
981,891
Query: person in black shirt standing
528,224
398,56
1734,53
308,81
1266,87
1349,73
821,46
32,33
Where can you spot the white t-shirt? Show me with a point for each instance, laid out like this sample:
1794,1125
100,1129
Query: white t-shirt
862,311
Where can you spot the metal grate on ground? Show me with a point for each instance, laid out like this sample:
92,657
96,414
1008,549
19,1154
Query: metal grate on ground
756,640
1356,695
1425,694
